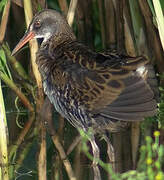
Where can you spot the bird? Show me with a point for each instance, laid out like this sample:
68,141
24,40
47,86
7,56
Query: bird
97,90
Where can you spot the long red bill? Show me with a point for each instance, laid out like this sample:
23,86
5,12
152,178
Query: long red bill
27,37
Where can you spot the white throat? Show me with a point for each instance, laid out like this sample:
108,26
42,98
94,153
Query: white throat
45,37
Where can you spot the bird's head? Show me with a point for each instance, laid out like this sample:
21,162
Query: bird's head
45,24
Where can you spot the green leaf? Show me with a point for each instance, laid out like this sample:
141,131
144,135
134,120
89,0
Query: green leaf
3,64
2,60
2,4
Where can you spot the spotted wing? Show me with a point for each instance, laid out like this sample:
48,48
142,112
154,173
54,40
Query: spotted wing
122,91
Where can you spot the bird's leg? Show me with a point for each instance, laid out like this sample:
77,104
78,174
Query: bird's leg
110,152
96,157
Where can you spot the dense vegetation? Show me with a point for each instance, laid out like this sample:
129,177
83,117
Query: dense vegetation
29,150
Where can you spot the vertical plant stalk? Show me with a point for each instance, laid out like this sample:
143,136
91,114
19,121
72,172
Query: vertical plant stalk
71,12
127,158
63,5
128,31
4,174
160,20
138,28
56,168
80,21
4,20
129,43
39,101
77,163
152,35
135,136
33,46
117,144
102,24
110,24
84,22
119,25
42,164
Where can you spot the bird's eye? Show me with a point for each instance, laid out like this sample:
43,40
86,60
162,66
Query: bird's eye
37,24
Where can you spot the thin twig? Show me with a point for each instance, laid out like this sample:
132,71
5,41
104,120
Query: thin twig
64,158
4,20
23,98
22,135
23,151
73,144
